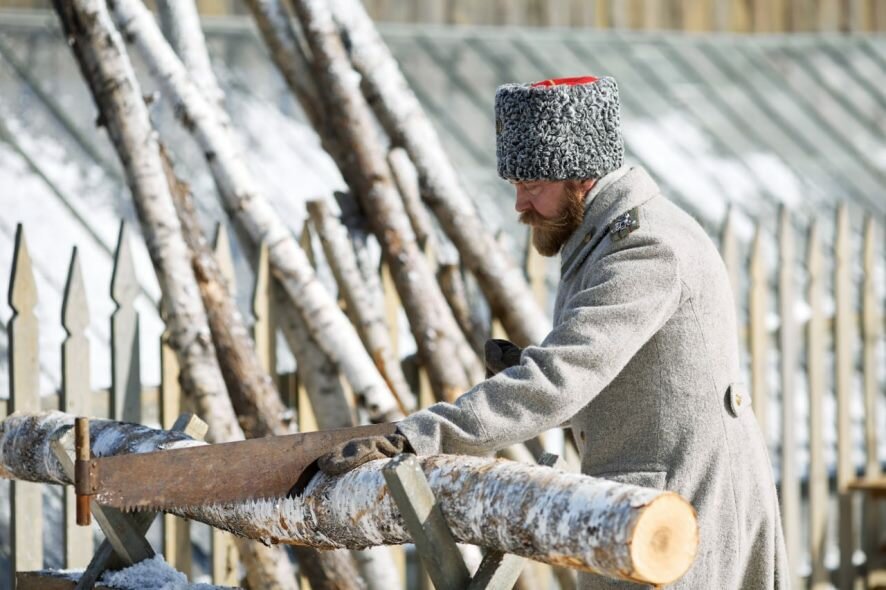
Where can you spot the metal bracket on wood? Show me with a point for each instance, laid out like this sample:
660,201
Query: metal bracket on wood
433,538
125,542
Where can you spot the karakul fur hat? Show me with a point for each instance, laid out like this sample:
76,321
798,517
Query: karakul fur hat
561,129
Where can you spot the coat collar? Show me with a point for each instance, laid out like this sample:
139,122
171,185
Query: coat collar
613,195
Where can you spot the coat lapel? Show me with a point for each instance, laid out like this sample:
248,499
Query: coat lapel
620,196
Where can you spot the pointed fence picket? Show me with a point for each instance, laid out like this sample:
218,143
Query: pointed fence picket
790,484
844,369
758,307
802,342
75,399
125,355
26,498
872,329
815,375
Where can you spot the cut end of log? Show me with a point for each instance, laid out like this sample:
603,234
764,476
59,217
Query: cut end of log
665,540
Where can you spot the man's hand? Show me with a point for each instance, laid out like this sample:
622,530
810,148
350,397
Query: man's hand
354,453
501,354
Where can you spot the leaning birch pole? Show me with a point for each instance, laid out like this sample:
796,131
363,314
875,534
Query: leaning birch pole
404,119
613,529
250,210
181,24
360,302
451,363
253,393
99,50
254,396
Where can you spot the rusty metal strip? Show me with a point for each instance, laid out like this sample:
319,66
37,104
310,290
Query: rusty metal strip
271,467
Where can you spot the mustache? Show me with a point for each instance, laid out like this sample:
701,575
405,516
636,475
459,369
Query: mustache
535,219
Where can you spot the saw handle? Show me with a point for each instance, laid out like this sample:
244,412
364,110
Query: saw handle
82,456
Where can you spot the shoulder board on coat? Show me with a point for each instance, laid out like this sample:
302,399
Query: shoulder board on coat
624,224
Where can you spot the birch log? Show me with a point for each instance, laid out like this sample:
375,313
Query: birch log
252,390
181,25
618,530
287,53
451,363
250,210
253,394
361,306
100,52
402,116
105,66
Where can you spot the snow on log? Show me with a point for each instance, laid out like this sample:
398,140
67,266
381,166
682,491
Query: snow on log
26,443
404,119
618,530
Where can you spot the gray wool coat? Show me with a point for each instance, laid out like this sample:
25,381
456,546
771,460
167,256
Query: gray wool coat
643,361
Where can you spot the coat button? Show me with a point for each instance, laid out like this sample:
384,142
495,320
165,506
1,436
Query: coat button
581,435
737,398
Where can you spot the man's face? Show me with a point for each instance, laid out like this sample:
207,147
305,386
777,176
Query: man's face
553,209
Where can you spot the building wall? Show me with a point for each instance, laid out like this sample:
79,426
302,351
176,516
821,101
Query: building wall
764,16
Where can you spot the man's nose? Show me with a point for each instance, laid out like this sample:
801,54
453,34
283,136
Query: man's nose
524,203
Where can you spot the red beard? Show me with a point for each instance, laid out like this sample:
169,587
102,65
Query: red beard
549,235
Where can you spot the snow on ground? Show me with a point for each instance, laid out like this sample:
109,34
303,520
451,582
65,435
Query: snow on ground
150,574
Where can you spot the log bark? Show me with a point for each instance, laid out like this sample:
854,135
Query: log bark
618,530
276,28
255,398
361,305
253,394
105,66
252,390
250,210
451,363
99,50
181,25
406,179
402,116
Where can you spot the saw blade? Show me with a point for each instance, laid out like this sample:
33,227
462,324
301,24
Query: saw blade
219,474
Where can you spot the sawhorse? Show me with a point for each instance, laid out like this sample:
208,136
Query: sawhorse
433,538
125,542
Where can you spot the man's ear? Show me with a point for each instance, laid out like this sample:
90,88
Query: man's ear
587,184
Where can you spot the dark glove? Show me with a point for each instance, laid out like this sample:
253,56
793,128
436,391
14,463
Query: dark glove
501,354
354,453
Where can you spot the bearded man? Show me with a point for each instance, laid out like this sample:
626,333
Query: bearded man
643,356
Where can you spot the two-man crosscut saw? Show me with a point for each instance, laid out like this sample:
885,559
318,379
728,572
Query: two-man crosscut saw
254,469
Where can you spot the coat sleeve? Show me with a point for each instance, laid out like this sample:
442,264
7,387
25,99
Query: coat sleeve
627,296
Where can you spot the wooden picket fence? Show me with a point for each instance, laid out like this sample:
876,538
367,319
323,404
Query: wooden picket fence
853,333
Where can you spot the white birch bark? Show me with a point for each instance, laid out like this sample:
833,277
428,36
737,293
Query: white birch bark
276,28
100,51
451,363
401,114
614,529
250,210
181,25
